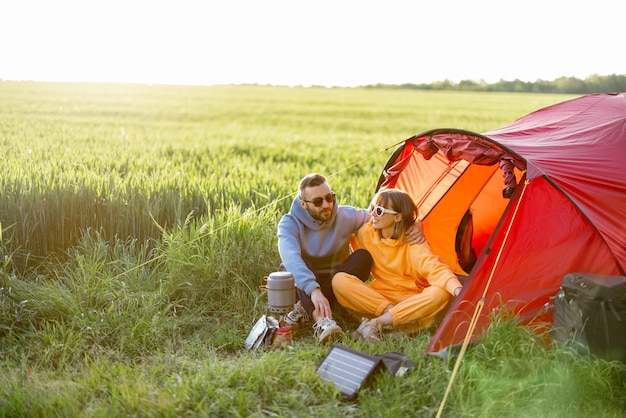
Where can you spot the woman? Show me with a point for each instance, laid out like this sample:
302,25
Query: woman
411,284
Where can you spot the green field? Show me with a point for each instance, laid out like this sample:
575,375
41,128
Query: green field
137,222
112,157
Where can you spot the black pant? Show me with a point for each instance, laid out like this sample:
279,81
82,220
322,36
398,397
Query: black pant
358,264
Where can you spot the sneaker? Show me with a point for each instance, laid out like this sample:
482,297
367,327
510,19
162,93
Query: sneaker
367,331
297,316
327,330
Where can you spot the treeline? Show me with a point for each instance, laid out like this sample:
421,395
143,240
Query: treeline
563,85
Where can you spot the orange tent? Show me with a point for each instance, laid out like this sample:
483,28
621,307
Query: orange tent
566,214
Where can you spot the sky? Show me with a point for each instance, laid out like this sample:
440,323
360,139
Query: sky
291,42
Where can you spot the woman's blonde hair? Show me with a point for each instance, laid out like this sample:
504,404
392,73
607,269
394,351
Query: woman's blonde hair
401,202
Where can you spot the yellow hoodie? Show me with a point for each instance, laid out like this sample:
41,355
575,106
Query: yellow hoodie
400,268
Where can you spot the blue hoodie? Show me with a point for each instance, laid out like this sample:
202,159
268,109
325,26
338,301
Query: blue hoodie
325,245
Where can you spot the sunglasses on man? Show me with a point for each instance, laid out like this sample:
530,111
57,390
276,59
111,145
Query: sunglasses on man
319,201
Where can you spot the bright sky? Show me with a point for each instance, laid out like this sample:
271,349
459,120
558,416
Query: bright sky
321,42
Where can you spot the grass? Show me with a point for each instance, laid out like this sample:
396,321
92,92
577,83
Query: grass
138,221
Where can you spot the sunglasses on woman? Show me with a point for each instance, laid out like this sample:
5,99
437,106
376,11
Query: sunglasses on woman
319,201
380,211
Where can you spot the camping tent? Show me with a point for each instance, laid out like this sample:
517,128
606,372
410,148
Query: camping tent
566,212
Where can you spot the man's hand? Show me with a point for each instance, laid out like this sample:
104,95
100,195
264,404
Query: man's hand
415,234
322,305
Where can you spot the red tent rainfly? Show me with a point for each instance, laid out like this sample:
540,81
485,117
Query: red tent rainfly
527,203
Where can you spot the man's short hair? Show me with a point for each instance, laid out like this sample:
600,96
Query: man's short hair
311,180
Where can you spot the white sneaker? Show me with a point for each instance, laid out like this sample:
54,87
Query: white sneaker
367,331
297,317
327,330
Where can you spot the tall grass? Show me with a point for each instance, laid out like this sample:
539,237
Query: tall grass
115,157
138,221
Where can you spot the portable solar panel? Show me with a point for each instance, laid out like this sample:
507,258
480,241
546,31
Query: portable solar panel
348,370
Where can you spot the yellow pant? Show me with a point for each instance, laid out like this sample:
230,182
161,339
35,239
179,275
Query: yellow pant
411,310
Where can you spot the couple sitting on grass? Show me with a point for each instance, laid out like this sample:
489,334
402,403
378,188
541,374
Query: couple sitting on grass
410,286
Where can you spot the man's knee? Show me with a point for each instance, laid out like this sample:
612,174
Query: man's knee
358,264
363,257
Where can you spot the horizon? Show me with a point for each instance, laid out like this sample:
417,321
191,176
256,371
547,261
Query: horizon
183,84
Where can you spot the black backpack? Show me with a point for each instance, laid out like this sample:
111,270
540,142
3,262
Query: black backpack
590,314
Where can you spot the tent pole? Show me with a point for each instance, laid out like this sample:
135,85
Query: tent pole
436,182
480,305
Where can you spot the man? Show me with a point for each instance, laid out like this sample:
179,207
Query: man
313,242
